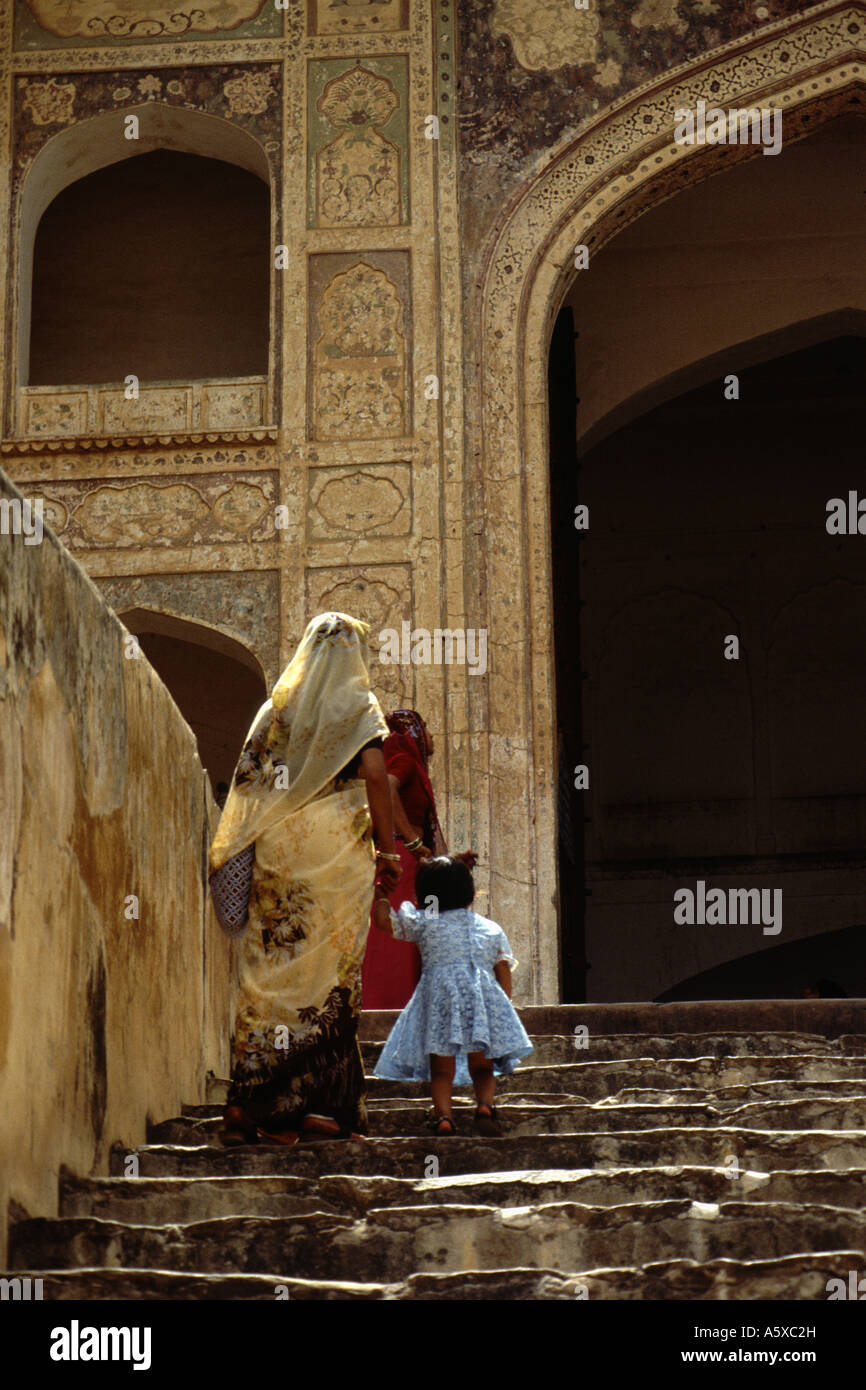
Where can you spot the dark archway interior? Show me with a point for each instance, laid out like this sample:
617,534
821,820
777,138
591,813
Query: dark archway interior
217,696
708,519
157,266
785,972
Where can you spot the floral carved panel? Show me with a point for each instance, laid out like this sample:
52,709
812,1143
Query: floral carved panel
359,346
358,169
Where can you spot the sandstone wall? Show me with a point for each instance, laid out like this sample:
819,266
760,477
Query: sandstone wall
105,1019
431,170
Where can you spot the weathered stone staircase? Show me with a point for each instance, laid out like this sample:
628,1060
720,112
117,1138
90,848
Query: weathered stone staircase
711,1165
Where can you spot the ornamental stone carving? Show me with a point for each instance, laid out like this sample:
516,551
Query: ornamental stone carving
358,173
371,501
139,19
359,361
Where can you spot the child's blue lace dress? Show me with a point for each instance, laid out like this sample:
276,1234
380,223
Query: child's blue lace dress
458,1006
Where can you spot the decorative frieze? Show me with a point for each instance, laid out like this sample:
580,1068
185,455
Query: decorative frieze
214,508
359,346
57,23
56,412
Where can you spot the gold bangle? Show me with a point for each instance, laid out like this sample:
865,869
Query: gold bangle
380,854
414,844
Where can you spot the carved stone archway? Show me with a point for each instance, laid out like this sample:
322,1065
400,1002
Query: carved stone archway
812,68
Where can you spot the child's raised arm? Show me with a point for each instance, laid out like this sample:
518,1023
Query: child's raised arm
382,910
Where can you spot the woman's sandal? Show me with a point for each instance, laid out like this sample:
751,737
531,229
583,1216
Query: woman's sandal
439,1120
316,1128
320,1127
237,1128
286,1137
488,1124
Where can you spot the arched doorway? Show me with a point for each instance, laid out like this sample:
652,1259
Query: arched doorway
697,509
708,521
593,187
217,684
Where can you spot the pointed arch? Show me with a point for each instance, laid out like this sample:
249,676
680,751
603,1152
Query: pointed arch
812,69
217,683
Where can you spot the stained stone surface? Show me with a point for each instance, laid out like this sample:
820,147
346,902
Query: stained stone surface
431,170
735,1171
107,940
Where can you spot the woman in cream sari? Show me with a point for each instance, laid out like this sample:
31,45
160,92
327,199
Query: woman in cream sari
309,790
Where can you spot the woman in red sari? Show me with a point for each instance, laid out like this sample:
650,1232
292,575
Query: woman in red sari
392,968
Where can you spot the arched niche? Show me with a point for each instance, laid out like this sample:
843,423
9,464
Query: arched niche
157,265
89,145
216,682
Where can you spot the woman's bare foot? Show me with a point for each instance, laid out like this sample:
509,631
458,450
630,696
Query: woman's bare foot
321,1126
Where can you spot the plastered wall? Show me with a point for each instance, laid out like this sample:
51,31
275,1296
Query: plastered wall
107,1018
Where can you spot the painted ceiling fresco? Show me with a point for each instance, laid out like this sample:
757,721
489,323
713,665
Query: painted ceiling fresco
52,23
531,70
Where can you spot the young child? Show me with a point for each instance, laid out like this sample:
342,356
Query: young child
461,1011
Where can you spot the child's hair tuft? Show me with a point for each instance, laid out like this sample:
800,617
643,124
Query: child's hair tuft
449,881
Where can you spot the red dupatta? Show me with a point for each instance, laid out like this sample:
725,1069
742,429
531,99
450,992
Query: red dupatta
407,736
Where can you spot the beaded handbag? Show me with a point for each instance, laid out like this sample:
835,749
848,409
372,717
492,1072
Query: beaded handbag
230,887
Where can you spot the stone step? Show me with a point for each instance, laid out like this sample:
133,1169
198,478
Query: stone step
409,1157
166,1201
407,1117
595,1080
801,1277
551,1050
417,1095
824,1017
731,1097
721,1097
397,1242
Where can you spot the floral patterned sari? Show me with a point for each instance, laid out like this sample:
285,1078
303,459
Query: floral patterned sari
297,797
296,1047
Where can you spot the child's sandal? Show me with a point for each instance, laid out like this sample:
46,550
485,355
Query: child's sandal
488,1124
442,1120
